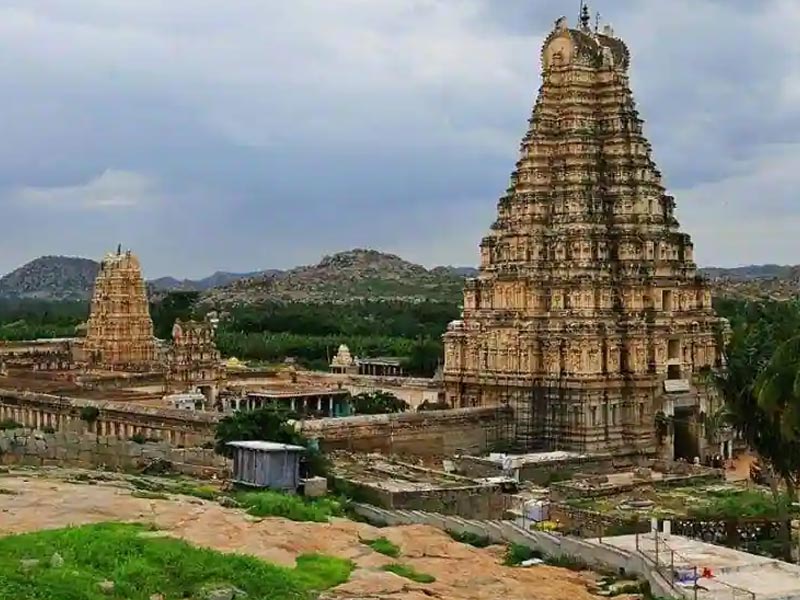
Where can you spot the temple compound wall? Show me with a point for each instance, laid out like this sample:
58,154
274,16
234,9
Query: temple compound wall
117,419
430,433
29,447
433,433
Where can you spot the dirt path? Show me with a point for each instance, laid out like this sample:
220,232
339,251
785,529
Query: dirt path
462,572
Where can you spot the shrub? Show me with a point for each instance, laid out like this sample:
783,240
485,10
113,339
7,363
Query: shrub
409,573
138,438
89,414
565,561
516,554
10,424
377,403
48,429
473,539
384,546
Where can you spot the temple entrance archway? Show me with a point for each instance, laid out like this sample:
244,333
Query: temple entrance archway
686,442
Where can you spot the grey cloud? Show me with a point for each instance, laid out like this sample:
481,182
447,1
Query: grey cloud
283,130
112,189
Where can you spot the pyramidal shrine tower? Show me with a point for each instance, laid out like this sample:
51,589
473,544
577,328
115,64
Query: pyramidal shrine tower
587,316
119,333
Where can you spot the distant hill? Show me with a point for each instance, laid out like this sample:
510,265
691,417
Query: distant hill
747,273
775,282
72,278
354,275
51,278
218,279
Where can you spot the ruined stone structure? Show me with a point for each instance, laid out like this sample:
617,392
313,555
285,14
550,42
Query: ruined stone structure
193,361
119,333
587,298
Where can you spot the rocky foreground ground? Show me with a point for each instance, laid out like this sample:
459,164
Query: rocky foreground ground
33,501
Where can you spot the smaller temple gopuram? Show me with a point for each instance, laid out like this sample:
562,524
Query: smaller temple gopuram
119,333
193,361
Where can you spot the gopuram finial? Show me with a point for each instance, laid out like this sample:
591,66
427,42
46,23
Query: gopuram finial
586,18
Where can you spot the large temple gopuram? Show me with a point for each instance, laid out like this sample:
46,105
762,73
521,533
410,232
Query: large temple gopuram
587,317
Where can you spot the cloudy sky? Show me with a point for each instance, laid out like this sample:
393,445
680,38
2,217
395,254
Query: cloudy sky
250,134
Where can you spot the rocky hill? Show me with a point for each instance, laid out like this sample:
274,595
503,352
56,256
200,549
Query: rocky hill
51,278
72,278
218,279
354,275
776,282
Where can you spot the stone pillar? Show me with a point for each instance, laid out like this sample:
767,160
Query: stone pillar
330,406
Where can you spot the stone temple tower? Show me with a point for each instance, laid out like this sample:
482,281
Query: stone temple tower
120,332
587,316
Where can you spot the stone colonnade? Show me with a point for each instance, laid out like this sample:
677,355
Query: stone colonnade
327,404
380,369
113,419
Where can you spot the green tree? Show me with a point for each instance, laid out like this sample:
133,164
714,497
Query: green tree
268,425
377,403
777,404
175,305
760,384
424,358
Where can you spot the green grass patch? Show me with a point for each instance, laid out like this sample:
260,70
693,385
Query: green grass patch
149,495
141,566
384,546
409,573
473,539
205,492
296,508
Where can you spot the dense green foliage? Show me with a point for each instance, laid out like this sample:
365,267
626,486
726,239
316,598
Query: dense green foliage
313,332
741,504
273,331
174,305
377,403
26,319
761,381
267,424
140,567
407,320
